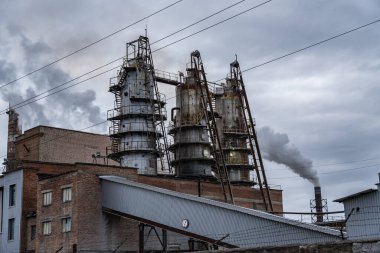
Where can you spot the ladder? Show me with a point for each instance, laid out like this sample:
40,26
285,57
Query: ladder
209,115
145,53
235,74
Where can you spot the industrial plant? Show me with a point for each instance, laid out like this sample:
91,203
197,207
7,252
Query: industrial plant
186,178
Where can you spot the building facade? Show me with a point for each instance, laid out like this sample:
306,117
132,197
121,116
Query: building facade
362,211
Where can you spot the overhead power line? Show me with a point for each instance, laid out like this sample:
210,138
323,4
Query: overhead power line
331,172
91,44
218,23
25,102
332,164
307,47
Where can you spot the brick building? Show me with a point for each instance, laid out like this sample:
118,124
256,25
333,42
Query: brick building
50,144
57,203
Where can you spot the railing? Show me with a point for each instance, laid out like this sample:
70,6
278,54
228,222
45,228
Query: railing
167,75
236,160
113,81
239,130
137,145
134,126
134,110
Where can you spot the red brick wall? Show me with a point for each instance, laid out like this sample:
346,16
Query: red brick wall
51,144
244,196
90,226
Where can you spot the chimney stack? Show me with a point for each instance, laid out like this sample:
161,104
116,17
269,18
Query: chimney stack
14,130
318,203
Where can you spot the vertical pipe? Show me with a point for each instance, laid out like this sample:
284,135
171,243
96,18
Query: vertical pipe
141,237
318,203
164,241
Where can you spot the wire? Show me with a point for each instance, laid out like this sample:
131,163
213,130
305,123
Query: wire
335,171
50,94
2,112
96,124
60,85
199,21
91,44
330,164
307,47
211,26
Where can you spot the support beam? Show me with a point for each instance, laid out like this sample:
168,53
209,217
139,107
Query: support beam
206,219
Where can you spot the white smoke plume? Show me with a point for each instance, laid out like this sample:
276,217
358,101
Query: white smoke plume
277,148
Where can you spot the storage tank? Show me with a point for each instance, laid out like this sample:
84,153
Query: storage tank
191,147
233,132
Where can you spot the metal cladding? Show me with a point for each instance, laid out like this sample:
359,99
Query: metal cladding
318,203
138,111
191,147
233,131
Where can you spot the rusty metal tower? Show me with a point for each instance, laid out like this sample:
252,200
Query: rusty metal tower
137,120
197,147
238,135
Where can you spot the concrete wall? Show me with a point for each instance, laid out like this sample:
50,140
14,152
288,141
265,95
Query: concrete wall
15,177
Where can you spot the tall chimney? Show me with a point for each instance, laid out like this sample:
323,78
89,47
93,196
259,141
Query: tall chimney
318,203
14,130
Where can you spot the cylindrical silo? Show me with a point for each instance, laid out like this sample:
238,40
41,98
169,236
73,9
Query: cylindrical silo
136,113
233,132
191,145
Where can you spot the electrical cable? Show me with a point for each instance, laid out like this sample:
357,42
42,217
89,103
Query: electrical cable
2,112
331,164
91,44
307,47
331,172
275,59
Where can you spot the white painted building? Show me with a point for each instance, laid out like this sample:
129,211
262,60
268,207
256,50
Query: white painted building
362,211
10,211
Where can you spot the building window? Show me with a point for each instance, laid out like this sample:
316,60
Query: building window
32,232
12,195
46,227
66,194
66,224
47,198
11,229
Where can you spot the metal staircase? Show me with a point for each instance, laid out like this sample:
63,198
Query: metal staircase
209,115
158,104
236,75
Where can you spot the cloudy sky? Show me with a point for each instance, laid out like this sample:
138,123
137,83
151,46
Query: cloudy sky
320,104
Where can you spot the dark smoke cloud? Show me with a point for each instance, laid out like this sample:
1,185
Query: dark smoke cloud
65,105
34,113
277,148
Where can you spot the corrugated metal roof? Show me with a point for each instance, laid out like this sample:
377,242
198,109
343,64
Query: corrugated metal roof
355,195
245,227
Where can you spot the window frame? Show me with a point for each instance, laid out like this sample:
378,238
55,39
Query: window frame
48,226
66,223
33,232
12,195
46,193
11,229
69,188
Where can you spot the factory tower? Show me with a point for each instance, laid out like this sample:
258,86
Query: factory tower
238,135
137,120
